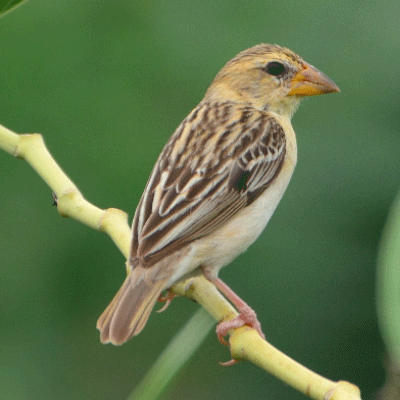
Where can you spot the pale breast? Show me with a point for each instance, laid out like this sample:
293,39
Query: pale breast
225,244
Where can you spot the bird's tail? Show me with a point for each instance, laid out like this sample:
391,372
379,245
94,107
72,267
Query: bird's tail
130,308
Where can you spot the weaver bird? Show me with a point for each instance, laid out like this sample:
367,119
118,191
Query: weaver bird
215,184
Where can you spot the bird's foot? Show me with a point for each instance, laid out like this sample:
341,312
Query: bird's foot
247,316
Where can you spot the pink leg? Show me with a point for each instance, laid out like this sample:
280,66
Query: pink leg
246,316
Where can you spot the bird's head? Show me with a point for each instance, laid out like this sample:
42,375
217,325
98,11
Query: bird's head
269,77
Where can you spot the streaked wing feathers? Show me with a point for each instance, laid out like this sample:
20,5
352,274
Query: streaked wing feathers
219,160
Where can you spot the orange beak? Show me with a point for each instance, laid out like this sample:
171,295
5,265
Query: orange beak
310,82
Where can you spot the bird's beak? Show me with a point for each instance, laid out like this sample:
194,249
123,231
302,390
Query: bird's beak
310,82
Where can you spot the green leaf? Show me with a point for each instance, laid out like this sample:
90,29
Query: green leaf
388,290
174,357
7,5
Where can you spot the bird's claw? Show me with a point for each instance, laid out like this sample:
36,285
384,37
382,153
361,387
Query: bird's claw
168,299
222,339
229,363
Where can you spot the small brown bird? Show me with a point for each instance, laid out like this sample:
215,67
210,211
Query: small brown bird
215,185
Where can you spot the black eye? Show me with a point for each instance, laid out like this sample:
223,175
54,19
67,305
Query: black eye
275,68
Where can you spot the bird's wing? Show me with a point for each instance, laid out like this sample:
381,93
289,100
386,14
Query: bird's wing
219,160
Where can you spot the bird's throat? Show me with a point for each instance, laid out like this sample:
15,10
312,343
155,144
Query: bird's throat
286,107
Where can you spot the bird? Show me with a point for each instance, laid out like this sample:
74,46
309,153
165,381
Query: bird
215,185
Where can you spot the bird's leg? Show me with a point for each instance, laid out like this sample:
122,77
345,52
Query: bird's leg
247,315
170,295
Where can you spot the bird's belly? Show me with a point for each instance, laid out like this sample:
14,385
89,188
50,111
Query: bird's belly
221,247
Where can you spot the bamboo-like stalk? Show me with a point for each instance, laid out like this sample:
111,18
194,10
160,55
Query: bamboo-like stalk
245,343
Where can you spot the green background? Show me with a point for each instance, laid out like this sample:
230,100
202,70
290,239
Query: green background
106,83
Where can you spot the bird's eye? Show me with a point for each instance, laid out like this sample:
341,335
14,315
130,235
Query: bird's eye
275,68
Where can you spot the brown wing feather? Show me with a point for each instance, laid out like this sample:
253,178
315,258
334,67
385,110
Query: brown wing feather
219,160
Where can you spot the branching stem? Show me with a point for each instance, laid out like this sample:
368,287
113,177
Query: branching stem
245,343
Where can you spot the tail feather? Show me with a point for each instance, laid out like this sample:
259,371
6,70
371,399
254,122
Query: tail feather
130,309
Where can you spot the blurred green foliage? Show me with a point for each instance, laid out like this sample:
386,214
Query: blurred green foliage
388,293
106,83
174,357
7,5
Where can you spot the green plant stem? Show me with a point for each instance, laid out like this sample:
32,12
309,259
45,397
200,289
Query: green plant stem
245,343
174,357
388,282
